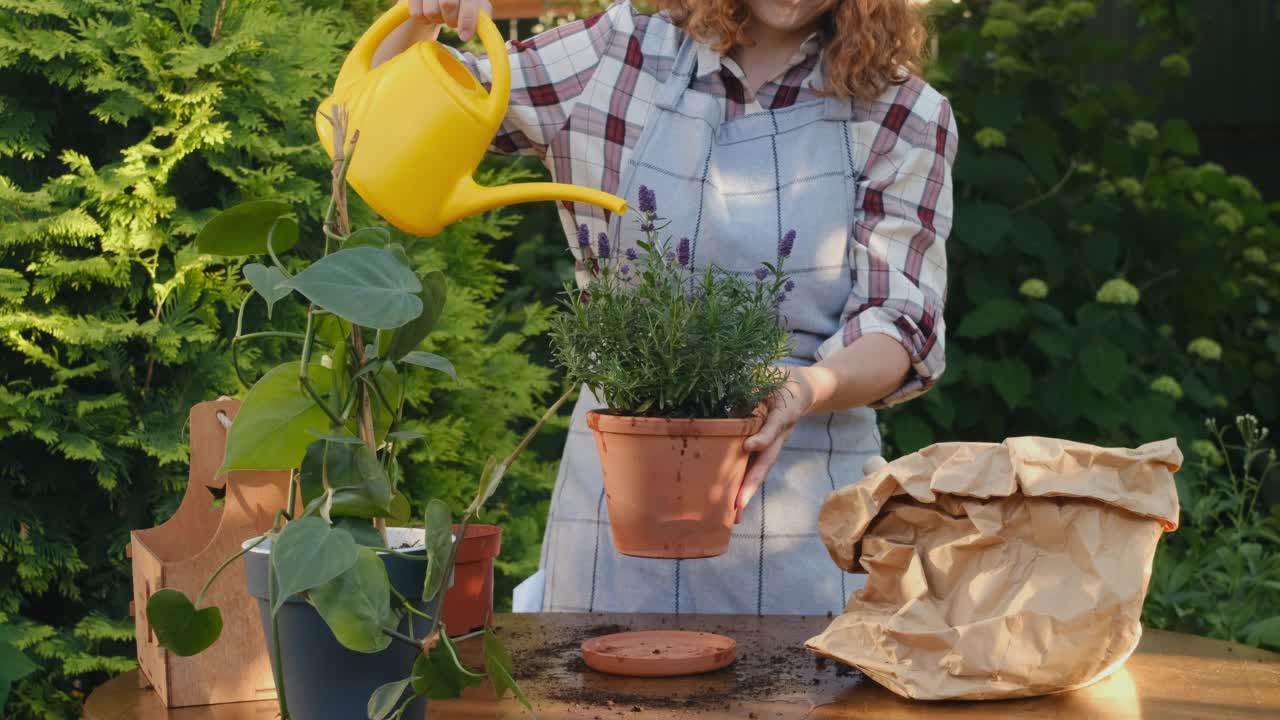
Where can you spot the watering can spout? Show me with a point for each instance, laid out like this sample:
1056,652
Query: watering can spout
472,198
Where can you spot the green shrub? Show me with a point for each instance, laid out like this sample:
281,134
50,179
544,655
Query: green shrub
1105,286
1219,574
123,126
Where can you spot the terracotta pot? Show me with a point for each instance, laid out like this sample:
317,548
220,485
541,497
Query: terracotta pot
469,604
672,483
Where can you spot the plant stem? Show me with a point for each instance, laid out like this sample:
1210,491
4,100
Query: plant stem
1057,187
468,636
235,356
272,251
453,653
341,225
396,635
406,556
409,606
293,492
276,659
303,370
223,566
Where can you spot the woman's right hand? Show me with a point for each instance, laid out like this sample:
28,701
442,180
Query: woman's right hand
458,14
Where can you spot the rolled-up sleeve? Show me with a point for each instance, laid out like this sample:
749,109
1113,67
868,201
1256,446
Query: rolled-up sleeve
902,217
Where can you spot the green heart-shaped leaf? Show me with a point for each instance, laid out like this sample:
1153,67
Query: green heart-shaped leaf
309,553
373,236
1012,379
337,438
407,337
383,700
360,486
438,676
178,626
243,229
433,361
356,604
405,436
14,665
1104,365
391,385
274,424
439,531
266,281
497,662
362,531
366,285
400,510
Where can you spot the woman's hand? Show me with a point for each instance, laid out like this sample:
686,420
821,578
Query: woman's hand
786,406
458,14
865,371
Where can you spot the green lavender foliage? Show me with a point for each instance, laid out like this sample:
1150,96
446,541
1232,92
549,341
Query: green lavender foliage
651,337
124,125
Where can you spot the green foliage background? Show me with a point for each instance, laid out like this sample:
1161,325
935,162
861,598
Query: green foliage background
123,126
1107,286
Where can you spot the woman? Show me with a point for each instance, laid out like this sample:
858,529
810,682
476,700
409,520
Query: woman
748,118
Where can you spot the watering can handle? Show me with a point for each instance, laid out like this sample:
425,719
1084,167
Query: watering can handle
360,62
496,48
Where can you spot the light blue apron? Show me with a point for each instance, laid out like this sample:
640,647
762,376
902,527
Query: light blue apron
734,188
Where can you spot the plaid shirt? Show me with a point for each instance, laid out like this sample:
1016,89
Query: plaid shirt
579,99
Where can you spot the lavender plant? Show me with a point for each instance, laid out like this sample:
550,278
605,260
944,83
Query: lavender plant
651,335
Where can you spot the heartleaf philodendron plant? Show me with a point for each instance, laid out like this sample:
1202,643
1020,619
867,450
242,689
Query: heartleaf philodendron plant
334,424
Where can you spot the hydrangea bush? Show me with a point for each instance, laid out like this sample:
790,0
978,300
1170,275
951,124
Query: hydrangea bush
651,335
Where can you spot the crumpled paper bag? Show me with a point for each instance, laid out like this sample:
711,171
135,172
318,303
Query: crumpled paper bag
998,570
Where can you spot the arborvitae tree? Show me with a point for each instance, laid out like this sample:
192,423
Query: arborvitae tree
123,125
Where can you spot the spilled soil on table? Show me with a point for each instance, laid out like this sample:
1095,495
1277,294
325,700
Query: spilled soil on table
760,674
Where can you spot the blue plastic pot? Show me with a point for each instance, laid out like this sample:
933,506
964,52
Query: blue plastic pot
323,679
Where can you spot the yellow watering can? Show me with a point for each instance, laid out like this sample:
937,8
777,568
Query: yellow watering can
425,124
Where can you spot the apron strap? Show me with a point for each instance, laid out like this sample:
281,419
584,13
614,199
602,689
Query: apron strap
681,75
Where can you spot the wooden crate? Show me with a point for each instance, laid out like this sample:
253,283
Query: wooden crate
185,550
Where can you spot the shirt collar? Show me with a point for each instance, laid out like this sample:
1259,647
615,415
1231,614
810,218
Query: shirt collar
710,61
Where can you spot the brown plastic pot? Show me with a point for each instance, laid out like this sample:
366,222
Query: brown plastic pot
468,606
672,483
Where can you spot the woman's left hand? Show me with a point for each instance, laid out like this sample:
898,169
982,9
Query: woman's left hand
786,406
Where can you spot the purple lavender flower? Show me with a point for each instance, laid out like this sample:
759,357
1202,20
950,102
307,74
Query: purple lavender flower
682,252
648,201
670,257
644,301
786,243
761,274
604,245
584,236
782,297
789,286
631,254
625,269
646,227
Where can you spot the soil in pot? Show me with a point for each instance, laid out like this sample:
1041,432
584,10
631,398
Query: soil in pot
469,604
671,484
323,679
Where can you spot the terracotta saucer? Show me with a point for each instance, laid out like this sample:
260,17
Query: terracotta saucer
659,653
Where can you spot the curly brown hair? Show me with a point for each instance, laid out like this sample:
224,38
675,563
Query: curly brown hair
867,44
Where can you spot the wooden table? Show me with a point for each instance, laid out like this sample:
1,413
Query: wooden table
1170,676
